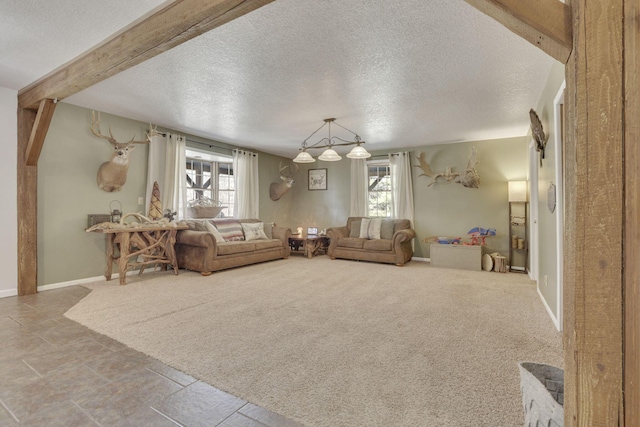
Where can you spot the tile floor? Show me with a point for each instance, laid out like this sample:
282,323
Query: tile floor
56,372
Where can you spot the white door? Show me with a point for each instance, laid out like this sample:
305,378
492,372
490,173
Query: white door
533,212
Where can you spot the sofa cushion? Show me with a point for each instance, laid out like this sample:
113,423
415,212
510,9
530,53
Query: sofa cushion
370,228
268,229
213,230
231,229
377,245
196,225
235,247
386,229
355,229
267,244
401,224
254,231
351,242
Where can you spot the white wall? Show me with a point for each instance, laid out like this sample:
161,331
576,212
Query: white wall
547,221
9,184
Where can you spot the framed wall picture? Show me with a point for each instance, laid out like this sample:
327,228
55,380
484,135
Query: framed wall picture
317,179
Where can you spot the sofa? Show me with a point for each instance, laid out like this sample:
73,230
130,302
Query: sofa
384,240
215,244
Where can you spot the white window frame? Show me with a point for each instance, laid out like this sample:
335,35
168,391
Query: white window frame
370,213
213,190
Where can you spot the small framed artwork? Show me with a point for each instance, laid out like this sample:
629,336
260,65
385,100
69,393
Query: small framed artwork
317,179
312,231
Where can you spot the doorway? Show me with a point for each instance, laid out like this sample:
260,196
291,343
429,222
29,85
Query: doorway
558,118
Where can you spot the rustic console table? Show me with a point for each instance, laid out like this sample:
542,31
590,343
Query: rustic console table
312,245
155,244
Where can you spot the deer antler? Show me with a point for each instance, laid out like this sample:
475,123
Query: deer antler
95,129
288,170
146,141
424,165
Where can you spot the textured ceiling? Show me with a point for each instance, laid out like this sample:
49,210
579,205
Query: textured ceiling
400,74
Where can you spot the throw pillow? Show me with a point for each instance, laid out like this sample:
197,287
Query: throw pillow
196,225
230,229
386,229
355,229
213,230
253,231
370,228
268,229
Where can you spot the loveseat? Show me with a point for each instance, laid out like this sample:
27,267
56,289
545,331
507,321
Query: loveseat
381,240
215,244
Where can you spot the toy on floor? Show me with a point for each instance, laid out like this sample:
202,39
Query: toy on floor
479,234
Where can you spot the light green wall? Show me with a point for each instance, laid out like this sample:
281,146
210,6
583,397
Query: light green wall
547,221
451,209
442,209
278,211
322,208
68,192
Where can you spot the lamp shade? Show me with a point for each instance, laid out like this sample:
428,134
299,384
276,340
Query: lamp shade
517,191
358,152
330,155
304,157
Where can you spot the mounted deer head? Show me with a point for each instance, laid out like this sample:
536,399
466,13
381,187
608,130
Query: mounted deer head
279,189
113,174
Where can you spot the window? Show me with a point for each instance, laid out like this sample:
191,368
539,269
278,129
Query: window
210,176
379,189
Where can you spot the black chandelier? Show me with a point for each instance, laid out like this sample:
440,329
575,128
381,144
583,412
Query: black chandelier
329,154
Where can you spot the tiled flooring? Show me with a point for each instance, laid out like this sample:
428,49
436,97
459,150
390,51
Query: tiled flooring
56,372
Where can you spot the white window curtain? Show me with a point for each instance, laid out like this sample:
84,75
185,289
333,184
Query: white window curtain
401,186
245,171
167,166
359,188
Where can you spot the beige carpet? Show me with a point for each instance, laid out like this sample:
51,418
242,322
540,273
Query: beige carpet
341,343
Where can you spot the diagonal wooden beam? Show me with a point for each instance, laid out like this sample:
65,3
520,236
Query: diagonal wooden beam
546,24
39,131
177,23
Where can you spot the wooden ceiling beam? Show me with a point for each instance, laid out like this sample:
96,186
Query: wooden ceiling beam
39,131
175,24
546,24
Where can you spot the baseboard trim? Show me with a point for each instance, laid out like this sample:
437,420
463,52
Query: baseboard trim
544,302
8,293
420,259
72,283
86,280
14,292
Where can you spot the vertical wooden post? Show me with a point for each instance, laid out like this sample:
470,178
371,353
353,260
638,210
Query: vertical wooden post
27,208
594,156
632,213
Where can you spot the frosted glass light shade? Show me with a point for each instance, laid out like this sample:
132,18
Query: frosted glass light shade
304,157
358,152
329,155
517,191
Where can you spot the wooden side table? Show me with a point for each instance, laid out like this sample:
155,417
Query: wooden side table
154,244
312,245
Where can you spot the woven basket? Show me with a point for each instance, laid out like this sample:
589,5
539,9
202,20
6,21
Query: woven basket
204,211
542,389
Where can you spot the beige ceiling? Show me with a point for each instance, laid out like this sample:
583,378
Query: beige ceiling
399,73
